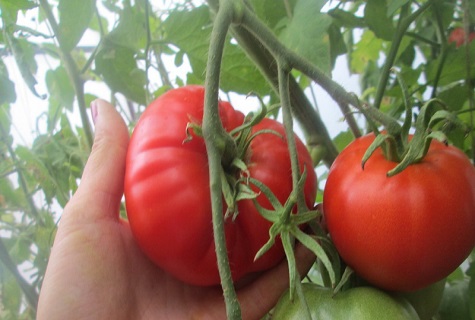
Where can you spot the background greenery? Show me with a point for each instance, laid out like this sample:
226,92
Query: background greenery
132,55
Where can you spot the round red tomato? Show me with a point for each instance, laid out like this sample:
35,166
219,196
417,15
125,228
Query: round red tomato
167,190
407,231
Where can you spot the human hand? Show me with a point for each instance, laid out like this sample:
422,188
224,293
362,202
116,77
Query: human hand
96,270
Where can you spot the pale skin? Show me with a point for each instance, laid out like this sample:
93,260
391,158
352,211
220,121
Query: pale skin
96,271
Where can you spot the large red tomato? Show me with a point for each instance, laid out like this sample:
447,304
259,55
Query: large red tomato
406,231
167,190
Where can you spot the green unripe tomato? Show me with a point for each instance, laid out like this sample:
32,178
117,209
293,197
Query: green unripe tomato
361,303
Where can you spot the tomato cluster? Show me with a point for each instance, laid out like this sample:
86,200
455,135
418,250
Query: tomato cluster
400,233
168,197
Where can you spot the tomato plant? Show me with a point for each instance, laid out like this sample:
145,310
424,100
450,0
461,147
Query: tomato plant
457,36
168,197
425,301
357,303
455,302
406,231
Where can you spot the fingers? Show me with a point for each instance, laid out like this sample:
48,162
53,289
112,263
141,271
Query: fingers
101,188
262,295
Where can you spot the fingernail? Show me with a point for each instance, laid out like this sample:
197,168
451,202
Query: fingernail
94,111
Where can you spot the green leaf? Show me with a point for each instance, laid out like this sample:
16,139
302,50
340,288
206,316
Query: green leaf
343,139
9,9
7,87
24,54
11,296
190,31
239,74
375,15
74,18
455,66
307,34
118,67
455,96
272,12
130,32
337,43
394,5
366,50
61,94
346,19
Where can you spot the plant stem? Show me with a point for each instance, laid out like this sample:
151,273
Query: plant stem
468,79
73,72
443,49
21,178
404,23
29,291
216,140
313,127
289,131
272,43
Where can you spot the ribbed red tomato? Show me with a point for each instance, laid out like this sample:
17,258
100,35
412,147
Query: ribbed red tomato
406,231
167,189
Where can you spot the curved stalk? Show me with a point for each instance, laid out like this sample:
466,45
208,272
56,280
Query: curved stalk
313,127
216,140
272,43
73,72
289,131
404,23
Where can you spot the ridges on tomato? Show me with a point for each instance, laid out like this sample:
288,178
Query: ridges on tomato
167,189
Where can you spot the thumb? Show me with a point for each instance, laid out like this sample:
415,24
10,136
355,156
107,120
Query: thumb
102,183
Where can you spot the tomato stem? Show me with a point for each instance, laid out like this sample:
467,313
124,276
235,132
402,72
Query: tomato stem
220,148
405,21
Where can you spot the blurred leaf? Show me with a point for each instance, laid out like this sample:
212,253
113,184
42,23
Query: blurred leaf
118,67
37,169
394,5
366,50
455,66
272,12
7,87
61,94
74,18
9,9
346,19
455,303
11,293
337,43
307,34
24,54
130,32
455,96
12,197
343,139
375,15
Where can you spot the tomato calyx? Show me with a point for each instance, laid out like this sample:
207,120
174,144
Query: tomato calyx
286,224
395,141
234,171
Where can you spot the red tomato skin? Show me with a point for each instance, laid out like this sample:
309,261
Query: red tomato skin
168,198
403,232
457,36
